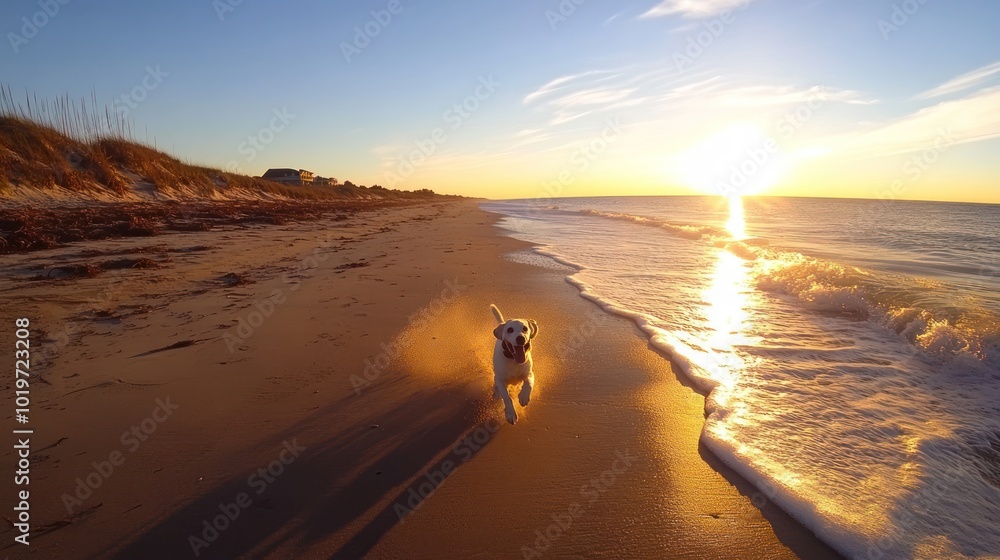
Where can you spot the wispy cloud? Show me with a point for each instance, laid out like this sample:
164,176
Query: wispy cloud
685,28
717,92
563,117
550,87
970,119
558,84
613,18
571,97
963,82
603,96
694,8
666,112
770,95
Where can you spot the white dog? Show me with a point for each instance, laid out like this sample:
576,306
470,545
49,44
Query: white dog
512,360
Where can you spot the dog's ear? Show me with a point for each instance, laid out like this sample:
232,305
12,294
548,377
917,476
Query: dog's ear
533,326
497,331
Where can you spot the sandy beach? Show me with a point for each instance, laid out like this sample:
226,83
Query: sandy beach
323,390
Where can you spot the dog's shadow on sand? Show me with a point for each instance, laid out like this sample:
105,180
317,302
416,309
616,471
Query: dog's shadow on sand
329,491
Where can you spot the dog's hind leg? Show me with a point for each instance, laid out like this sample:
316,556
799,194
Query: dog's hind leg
508,403
525,395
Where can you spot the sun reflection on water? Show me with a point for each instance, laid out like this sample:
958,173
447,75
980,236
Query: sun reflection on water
737,225
727,312
726,319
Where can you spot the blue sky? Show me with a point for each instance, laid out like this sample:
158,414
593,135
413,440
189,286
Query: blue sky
603,98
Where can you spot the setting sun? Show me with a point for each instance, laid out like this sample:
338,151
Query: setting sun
740,159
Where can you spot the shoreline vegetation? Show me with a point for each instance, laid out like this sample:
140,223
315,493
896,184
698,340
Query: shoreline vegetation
71,171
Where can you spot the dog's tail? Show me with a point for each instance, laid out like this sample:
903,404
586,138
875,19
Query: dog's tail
497,314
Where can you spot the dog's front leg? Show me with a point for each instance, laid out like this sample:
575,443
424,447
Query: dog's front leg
508,403
525,395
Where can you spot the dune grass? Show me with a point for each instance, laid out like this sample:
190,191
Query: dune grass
63,144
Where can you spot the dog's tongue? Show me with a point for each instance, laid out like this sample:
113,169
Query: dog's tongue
517,352
519,356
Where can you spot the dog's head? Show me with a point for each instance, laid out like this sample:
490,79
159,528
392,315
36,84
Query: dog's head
516,335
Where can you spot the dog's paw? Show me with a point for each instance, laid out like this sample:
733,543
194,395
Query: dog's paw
524,396
511,416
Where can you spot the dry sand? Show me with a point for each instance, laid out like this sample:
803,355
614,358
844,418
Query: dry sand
413,463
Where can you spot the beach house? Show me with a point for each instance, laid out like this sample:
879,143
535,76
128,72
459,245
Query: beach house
290,176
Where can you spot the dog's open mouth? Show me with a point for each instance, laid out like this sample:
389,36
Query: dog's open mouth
517,353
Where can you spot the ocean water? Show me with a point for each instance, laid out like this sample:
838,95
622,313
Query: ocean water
849,348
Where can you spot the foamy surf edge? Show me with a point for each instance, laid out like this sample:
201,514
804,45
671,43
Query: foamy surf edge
840,538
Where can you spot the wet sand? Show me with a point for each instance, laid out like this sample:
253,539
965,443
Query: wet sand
323,390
